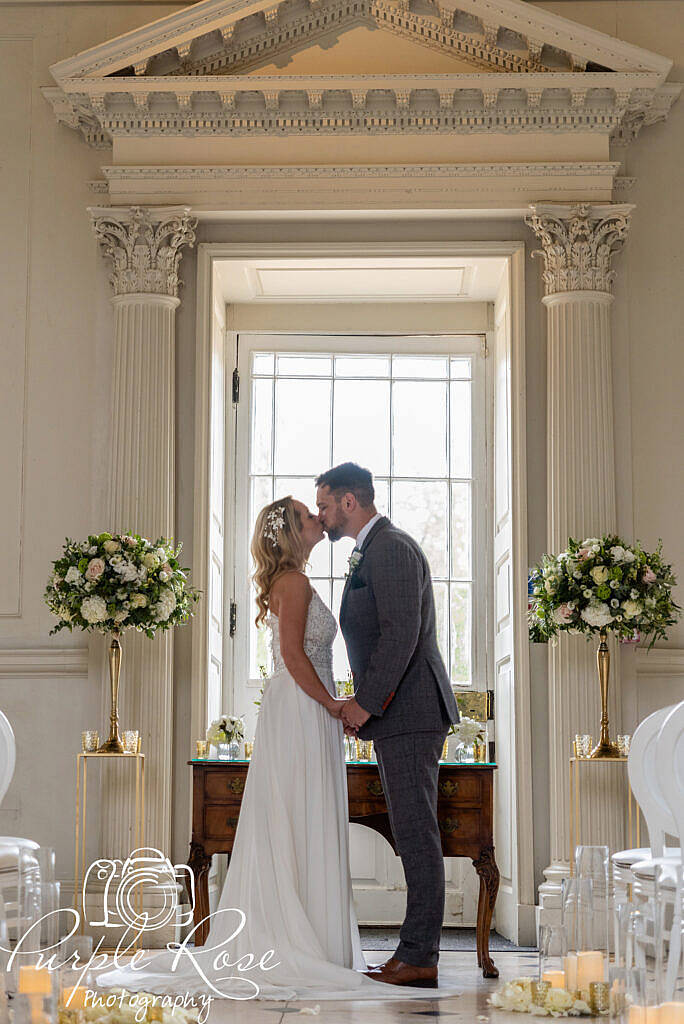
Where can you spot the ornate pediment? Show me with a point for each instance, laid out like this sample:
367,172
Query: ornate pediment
235,67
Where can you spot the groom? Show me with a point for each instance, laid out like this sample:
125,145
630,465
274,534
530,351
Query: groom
403,699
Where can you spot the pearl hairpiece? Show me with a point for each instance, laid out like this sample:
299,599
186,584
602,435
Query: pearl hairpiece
275,520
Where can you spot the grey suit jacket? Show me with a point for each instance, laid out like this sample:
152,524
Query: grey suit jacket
387,618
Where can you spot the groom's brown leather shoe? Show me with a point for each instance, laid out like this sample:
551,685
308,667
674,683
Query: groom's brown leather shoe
396,972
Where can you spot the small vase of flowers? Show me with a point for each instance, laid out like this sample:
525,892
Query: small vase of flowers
468,734
226,733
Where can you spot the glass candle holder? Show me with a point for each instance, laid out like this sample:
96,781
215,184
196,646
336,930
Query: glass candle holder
90,740
553,951
201,749
130,741
623,744
593,863
584,744
249,749
445,750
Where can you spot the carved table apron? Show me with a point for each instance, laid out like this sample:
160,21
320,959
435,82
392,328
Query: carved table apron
464,811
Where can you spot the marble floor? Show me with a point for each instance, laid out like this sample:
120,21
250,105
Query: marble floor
457,970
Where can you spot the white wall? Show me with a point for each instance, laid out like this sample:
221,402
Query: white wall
56,352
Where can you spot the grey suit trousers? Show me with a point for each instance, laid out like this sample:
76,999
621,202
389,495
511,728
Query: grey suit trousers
409,766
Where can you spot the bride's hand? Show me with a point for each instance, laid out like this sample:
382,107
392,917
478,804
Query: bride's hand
336,705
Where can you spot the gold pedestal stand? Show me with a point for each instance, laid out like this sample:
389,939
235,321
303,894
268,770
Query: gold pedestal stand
605,748
81,815
574,805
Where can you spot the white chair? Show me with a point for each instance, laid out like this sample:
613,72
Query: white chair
670,770
634,869
19,867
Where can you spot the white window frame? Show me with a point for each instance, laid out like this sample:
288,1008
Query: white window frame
473,344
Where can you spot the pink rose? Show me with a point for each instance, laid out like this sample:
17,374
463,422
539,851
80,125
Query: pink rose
649,576
95,569
563,614
583,553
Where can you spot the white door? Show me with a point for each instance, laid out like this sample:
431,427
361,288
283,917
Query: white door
412,410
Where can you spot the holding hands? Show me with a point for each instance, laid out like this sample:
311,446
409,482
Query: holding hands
350,712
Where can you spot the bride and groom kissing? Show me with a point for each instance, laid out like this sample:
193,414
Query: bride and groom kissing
288,887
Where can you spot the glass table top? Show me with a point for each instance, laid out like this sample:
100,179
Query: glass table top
361,764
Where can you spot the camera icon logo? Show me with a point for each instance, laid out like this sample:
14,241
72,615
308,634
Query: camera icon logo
141,892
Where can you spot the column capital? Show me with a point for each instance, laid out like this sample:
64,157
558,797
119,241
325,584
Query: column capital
578,243
145,245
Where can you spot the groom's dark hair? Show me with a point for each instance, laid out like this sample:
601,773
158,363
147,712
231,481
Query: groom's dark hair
349,478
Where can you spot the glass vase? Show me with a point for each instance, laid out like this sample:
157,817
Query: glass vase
228,750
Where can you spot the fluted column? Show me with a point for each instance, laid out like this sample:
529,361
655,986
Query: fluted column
145,246
578,244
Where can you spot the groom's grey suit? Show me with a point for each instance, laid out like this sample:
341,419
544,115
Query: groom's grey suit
387,618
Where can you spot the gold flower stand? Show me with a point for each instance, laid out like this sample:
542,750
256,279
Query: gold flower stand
81,818
575,802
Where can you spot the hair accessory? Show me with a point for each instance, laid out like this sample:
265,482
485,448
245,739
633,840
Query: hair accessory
275,520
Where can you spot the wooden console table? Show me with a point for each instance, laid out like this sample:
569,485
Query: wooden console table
465,812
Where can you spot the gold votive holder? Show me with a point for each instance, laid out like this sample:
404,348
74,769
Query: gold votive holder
539,990
201,749
90,740
249,749
479,752
364,750
599,996
445,750
130,741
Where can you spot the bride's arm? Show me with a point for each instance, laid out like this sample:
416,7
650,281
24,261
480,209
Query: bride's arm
289,599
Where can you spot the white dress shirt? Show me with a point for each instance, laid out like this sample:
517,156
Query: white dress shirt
365,530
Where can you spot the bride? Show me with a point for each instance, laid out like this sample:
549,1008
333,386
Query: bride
285,926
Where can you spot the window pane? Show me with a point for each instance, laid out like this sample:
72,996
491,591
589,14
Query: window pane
460,428
419,429
260,662
302,426
262,425
340,660
421,508
442,615
461,531
262,362
361,430
304,366
382,501
302,488
460,367
341,550
262,494
419,366
362,366
460,632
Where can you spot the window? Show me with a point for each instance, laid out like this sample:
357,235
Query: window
410,410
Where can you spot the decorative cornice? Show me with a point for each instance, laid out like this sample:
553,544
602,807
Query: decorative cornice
145,246
280,105
578,243
43,661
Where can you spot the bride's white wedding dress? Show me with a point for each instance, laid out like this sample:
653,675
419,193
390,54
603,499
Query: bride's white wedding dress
289,870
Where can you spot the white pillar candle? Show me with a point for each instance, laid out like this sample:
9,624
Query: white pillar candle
644,1014
589,968
555,978
670,1013
570,968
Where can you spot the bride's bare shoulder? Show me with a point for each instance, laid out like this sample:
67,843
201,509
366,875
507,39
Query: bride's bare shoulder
292,585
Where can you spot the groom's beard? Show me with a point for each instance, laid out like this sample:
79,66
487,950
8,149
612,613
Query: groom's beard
334,533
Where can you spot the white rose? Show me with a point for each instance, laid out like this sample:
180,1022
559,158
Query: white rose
559,999
121,615
631,608
95,568
94,609
617,553
629,556
150,561
597,614
73,575
138,601
111,546
599,574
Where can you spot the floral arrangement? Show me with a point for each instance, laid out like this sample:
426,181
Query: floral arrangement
226,729
602,583
516,997
114,582
467,731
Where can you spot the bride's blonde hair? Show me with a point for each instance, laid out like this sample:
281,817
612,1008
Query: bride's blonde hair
276,548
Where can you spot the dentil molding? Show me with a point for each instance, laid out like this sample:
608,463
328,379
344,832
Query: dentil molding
145,246
578,243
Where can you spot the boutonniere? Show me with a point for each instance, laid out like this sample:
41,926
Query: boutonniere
354,561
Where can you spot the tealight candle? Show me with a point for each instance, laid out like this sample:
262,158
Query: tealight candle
74,998
570,970
671,1013
35,981
555,978
589,968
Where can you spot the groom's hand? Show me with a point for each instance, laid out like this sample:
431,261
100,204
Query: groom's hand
353,715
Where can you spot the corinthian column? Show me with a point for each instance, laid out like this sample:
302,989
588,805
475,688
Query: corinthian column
578,244
145,247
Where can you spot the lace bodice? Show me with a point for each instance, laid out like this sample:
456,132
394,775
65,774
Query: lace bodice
319,634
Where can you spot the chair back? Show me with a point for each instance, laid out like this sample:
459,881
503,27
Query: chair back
8,754
645,782
670,766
